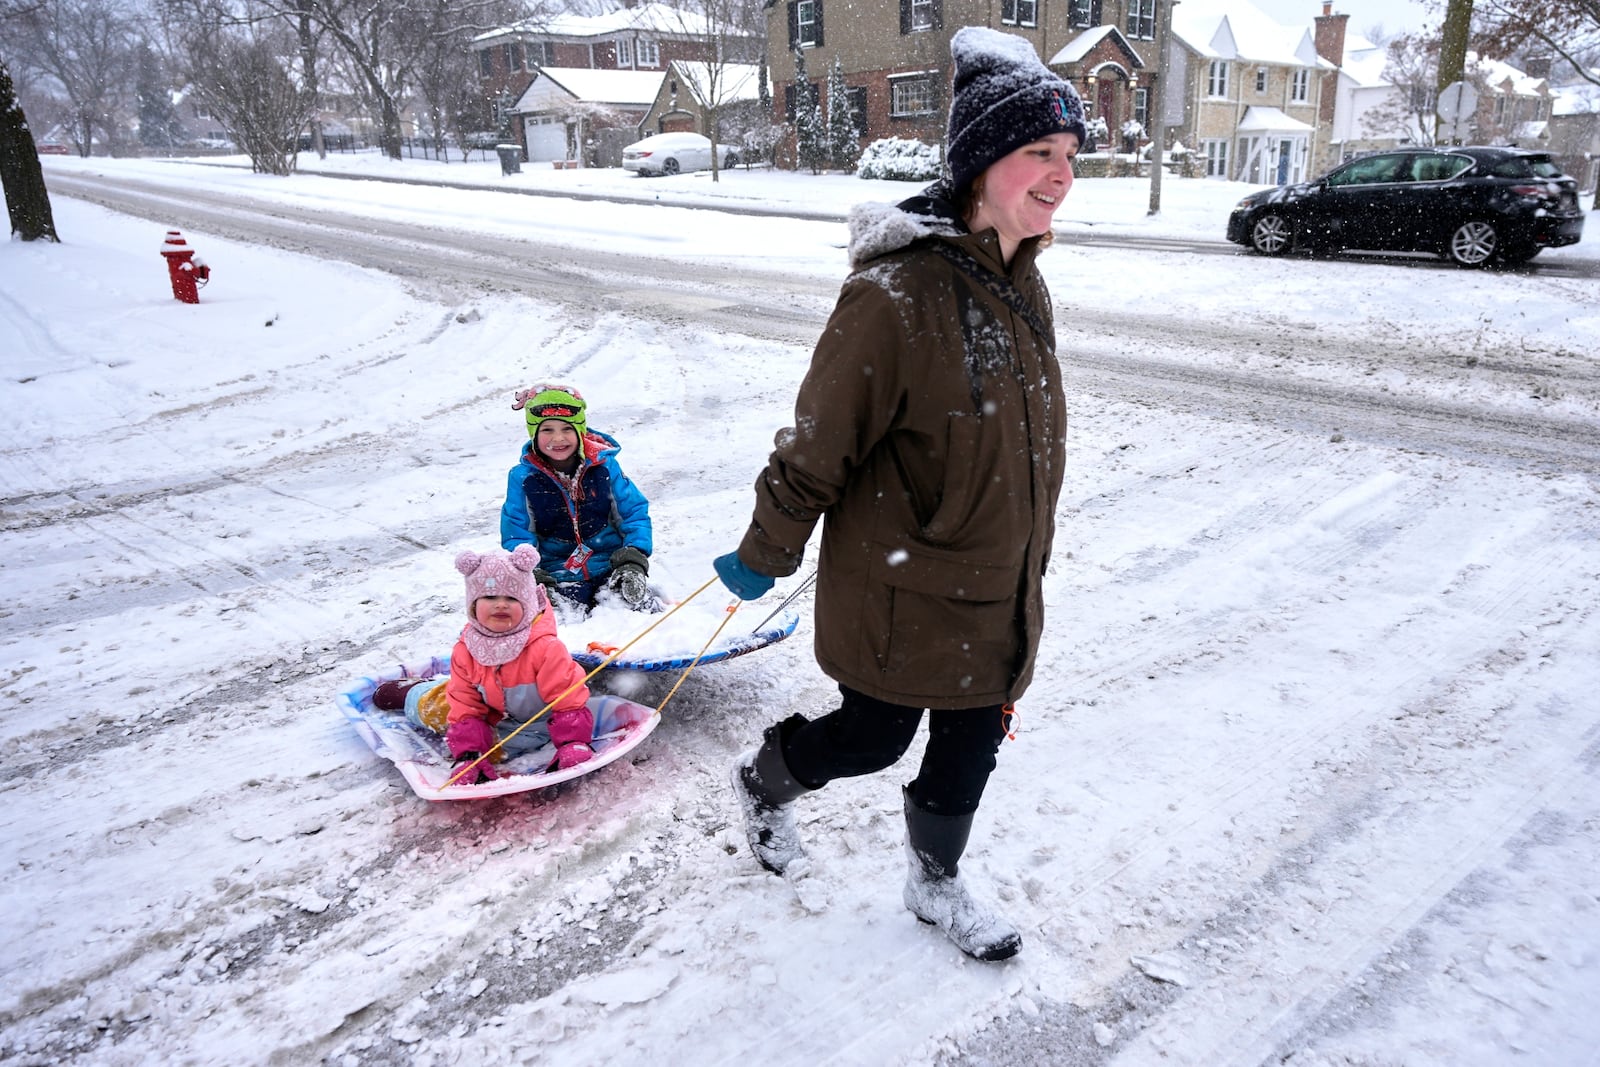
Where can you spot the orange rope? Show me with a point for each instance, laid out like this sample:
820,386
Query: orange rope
1010,728
730,609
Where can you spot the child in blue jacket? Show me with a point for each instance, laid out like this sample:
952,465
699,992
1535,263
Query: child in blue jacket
568,497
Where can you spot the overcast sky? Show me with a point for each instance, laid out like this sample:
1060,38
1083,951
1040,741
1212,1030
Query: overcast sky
1393,15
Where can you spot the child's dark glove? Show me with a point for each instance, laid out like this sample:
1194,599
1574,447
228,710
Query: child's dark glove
628,569
628,556
745,583
545,578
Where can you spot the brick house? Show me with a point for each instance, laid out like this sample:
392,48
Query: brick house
637,39
1251,91
895,56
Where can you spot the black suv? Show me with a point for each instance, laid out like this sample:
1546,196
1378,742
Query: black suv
1472,205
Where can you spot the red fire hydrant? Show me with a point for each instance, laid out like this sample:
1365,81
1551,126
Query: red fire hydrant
187,270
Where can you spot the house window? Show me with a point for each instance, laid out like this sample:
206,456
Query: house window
486,63
1083,13
805,23
1217,80
858,109
1216,158
1301,87
513,56
646,53
814,92
1499,110
911,96
1141,108
1142,19
1019,12
919,15
1261,81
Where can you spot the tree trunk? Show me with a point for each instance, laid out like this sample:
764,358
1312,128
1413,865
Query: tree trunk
308,65
27,199
1453,39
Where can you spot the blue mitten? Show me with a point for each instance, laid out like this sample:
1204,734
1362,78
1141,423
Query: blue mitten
743,582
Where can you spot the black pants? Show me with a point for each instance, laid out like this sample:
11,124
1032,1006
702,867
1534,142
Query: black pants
866,735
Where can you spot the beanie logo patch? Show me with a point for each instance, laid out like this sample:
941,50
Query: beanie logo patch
1058,105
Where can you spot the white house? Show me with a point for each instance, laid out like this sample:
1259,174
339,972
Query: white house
564,107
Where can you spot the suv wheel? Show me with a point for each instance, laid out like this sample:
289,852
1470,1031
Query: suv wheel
1272,234
1474,243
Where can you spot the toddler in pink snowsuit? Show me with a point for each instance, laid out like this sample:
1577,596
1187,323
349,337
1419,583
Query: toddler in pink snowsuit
507,666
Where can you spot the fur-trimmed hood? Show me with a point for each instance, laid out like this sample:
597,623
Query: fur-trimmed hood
878,229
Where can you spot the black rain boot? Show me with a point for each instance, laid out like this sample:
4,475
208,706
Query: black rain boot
765,788
936,894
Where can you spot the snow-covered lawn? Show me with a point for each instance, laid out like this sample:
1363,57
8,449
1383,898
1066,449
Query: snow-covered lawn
1308,773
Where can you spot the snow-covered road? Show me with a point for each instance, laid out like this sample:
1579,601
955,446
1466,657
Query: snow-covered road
1307,775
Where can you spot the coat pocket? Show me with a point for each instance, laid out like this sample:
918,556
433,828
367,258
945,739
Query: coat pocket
952,621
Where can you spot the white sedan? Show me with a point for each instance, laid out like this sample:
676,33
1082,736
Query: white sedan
673,153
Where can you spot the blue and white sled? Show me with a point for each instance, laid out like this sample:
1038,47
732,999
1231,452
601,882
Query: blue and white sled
667,653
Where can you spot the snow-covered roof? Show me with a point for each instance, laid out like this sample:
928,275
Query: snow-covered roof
1582,98
659,19
623,88
1080,46
1503,76
735,81
1258,119
1236,29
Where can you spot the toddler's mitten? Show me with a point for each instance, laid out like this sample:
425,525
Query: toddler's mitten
469,740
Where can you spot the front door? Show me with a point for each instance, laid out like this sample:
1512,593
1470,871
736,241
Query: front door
1285,157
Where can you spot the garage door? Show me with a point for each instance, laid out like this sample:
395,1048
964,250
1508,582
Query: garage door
547,138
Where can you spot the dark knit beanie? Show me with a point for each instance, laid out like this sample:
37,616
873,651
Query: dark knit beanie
1004,98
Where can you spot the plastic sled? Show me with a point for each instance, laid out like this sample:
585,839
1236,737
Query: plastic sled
660,654
424,760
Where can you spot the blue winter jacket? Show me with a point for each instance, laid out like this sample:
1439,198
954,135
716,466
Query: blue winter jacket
611,511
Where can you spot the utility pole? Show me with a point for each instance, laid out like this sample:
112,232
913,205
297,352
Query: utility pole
1156,106
1452,52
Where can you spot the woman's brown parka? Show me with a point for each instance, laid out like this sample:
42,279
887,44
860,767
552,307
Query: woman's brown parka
929,438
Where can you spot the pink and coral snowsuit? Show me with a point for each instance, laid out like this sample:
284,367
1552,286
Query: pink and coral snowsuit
519,689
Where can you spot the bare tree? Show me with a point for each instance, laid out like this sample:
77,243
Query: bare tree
1567,28
87,46
732,35
27,199
1413,70
243,80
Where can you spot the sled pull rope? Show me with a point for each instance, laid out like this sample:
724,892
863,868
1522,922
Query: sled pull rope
801,588
602,665
727,618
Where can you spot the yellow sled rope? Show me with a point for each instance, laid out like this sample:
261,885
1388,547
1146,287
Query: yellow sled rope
611,658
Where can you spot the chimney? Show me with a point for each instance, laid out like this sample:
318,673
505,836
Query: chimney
1537,67
1330,34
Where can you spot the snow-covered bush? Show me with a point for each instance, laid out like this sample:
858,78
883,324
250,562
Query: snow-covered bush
1099,132
899,159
